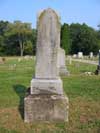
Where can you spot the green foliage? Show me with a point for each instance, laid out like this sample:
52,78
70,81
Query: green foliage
22,31
65,38
15,38
28,49
19,38
98,36
84,39
3,27
1,45
79,38
34,38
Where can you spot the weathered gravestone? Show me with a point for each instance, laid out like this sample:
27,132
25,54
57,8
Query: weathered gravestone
46,101
62,63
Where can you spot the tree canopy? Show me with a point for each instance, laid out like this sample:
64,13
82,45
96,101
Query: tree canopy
83,39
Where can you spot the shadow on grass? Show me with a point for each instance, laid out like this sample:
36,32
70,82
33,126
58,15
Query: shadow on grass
21,91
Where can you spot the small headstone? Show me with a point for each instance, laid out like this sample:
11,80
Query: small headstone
46,100
2,60
26,57
31,57
80,55
74,55
91,55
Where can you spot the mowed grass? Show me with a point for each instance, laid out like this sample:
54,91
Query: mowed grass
82,90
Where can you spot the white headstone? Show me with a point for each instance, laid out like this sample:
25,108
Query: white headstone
91,55
80,55
74,55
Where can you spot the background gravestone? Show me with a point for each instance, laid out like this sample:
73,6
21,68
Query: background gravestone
62,63
46,101
80,55
91,55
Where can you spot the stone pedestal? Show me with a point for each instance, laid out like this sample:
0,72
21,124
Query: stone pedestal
52,108
46,86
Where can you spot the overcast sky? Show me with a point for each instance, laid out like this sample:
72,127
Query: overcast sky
71,11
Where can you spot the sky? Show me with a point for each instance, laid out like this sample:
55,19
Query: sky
70,11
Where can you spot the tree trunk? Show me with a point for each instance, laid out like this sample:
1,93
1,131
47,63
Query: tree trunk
21,53
21,48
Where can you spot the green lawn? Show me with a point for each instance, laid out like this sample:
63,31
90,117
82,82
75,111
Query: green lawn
83,92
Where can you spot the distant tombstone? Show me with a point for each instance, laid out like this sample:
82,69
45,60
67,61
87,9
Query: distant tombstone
91,55
80,55
2,60
74,55
62,62
19,59
26,57
46,100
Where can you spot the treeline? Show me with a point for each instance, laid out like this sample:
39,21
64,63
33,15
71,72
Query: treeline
80,38
19,38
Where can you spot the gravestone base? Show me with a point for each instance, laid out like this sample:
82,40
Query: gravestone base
97,72
46,108
63,71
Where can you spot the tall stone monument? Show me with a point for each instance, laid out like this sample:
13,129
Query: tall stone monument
62,63
46,101
97,72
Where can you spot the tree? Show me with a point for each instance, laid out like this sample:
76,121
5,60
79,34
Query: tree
84,39
1,45
34,38
19,38
3,27
98,36
28,48
22,33
65,38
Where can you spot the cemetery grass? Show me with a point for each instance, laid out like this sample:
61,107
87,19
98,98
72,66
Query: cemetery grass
83,92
